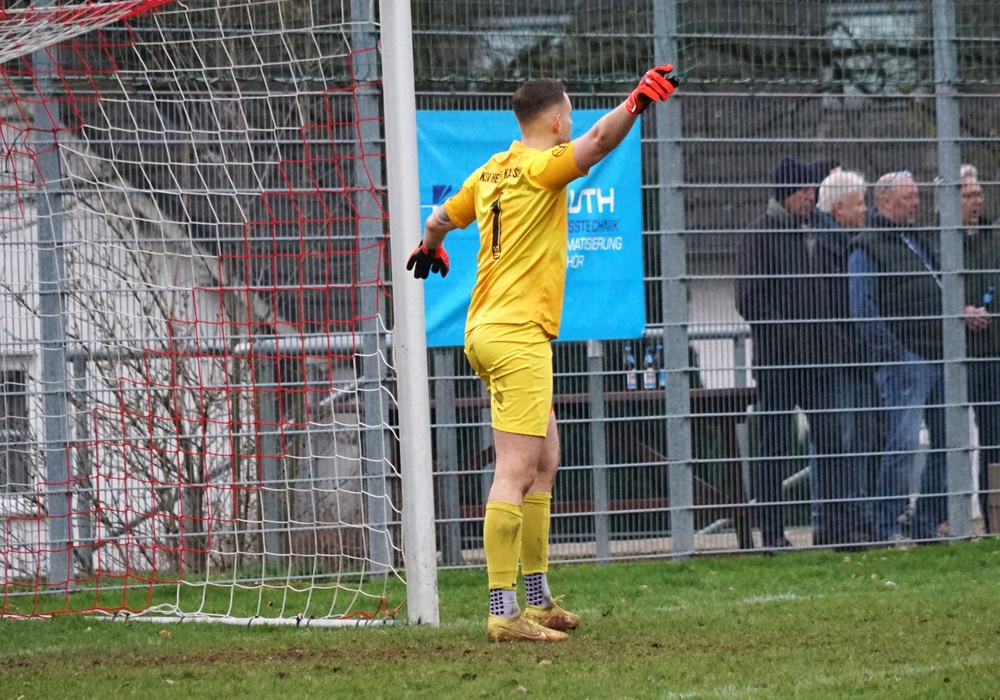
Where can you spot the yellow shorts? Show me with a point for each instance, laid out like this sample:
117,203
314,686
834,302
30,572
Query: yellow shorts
515,361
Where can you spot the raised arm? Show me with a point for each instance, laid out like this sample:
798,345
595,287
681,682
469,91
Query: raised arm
611,129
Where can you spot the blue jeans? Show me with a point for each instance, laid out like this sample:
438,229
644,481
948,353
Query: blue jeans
830,398
912,393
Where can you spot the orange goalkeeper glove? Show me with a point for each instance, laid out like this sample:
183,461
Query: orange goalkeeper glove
656,86
424,261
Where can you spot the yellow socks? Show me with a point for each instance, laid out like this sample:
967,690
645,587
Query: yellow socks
535,533
511,533
502,542
535,548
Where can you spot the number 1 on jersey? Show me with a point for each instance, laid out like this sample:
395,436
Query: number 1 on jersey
495,208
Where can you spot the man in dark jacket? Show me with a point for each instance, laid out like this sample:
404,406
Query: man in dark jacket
780,293
842,512
982,286
895,293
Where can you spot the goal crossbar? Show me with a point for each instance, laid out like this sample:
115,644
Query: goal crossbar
36,27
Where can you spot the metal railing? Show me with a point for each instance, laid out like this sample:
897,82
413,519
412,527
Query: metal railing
877,88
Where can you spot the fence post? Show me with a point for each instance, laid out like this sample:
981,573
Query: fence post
598,449
959,467
447,454
272,457
673,265
52,323
84,470
371,233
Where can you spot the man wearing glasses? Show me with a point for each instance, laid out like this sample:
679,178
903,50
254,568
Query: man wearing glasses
895,298
982,285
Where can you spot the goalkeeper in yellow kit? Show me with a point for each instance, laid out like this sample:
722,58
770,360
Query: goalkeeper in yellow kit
518,200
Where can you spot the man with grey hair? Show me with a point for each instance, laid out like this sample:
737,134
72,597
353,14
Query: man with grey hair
982,284
842,196
839,481
895,297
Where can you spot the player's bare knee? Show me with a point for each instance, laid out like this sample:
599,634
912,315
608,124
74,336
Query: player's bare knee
547,471
511,481
548,461
548,465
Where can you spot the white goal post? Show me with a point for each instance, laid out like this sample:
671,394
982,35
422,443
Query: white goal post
410,332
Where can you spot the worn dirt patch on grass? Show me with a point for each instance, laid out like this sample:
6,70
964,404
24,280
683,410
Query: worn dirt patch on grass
246,656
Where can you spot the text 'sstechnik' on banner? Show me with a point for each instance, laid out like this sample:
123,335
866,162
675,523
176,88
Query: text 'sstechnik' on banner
604,286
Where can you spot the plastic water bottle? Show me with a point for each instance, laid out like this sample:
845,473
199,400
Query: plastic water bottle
631,380
648,370
660,366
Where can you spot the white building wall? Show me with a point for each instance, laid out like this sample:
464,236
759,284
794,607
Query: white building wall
712,308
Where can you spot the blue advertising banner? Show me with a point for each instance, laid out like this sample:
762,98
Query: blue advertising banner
604,286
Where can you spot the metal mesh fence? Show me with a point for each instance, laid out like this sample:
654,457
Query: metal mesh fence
767,409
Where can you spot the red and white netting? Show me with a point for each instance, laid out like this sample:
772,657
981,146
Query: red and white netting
29,28
217,211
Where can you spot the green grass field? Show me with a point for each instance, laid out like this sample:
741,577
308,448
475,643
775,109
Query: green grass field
917,623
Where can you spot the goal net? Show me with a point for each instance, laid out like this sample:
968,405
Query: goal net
25,29
197,410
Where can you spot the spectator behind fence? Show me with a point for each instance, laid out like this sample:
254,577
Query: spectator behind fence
895,296
776,295
982,284
840,484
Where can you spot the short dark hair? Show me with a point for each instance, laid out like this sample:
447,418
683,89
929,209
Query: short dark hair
536,96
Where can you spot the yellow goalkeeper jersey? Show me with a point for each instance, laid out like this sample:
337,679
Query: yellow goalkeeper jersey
518,199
